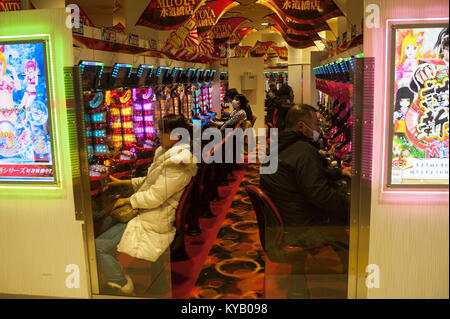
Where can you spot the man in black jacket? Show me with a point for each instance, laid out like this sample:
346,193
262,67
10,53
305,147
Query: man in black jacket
302,189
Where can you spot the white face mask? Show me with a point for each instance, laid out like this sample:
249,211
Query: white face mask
234,105
316,134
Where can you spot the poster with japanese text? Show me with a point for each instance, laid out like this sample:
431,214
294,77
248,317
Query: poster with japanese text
25,135
419,104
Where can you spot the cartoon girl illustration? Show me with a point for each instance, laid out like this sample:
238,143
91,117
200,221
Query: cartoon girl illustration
411,47
403,102
31,80
7,86
9,142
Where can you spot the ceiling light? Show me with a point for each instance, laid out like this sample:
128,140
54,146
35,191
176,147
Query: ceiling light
265,23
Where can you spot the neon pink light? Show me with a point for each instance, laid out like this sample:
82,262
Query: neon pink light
392,195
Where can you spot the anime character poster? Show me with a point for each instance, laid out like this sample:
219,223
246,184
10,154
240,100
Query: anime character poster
420,104
25,136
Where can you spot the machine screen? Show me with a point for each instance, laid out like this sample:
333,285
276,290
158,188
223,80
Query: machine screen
120,74
90,72
26,152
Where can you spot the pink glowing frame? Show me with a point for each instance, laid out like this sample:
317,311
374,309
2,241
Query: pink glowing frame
390,194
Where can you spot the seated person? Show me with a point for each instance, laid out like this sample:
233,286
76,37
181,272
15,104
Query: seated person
302,190
270,102
228,98
285,100
239,105
156,196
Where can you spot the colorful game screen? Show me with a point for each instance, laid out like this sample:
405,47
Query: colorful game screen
26,153
419,106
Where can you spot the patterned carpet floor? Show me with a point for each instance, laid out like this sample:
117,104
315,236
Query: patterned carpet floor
235,266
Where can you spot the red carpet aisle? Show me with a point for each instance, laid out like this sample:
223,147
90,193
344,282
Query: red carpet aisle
186,272
234,268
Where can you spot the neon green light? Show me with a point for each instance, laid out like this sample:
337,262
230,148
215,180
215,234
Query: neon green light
58,120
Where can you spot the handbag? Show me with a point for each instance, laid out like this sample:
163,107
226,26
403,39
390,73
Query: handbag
124,214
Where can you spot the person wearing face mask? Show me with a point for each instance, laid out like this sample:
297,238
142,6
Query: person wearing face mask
270,102
228,98
302,189
239,106
283,103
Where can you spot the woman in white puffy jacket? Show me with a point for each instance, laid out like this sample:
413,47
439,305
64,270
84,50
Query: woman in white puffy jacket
151,232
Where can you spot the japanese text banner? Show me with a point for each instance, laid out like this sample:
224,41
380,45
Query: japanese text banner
168,14
304,11
223,30
9,5
294,27
305,43
210,13
183,43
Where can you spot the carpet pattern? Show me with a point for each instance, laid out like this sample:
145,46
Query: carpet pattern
235,266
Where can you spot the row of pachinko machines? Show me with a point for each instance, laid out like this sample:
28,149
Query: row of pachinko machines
123,107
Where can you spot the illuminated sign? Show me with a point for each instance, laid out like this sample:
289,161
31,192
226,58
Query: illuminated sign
419,132
26,145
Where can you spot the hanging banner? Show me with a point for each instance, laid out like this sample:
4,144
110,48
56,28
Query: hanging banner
9,5
168,14
260,49
100,45
210,13
85,19
241,51
183,43
239,35
282,52
294,27
223,30
205,51
304,15
120,28
302,44
419,104
300,36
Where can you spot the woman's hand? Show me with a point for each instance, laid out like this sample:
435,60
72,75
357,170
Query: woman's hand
121,202
118,182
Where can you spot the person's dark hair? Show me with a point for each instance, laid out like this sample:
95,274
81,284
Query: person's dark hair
171,122
299,113
403,93
285,90
442,40
273,88
242,100
230,94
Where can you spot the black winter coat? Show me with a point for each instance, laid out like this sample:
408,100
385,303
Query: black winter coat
302,189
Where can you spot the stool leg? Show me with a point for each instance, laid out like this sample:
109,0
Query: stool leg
298,288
